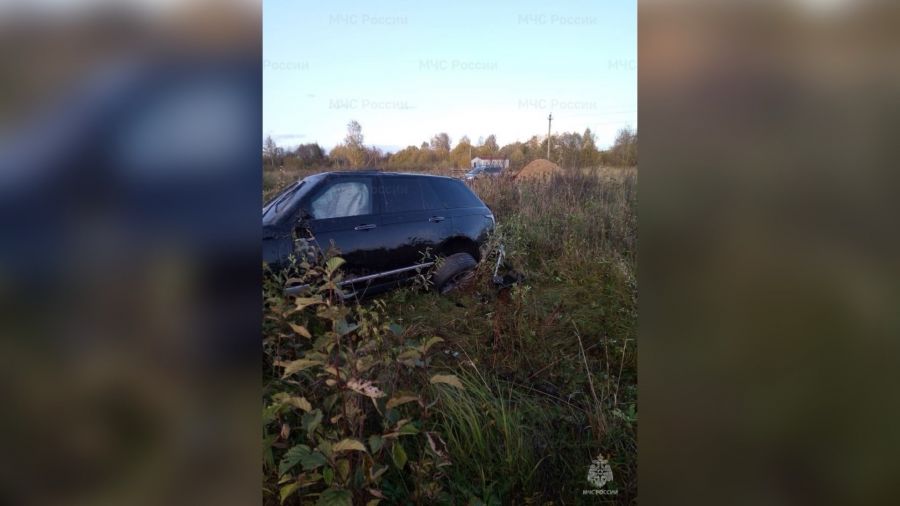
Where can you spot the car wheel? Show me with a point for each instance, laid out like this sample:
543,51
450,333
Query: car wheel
455,271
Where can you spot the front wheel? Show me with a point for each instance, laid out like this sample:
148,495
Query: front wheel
454,272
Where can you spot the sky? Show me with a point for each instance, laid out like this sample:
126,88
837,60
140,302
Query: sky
406,70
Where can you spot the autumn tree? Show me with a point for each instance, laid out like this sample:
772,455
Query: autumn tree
515,153
461,155
491,144
310,155
441,141
624,149
354,138
569,149
590,156
487,147
374,157
352,153
405,159
270,150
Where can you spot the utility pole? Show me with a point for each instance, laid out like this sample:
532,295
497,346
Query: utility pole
549,120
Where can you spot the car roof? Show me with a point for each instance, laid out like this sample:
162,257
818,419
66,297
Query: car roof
350,173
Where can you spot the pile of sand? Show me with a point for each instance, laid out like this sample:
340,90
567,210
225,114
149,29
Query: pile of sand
538,169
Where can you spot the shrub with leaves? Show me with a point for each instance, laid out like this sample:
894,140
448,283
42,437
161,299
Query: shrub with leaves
346,413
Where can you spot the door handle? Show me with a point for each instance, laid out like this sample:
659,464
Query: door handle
436,219
370,226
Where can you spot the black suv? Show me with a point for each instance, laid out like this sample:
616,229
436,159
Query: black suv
386,226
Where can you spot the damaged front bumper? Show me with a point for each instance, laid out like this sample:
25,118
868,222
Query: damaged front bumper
508,278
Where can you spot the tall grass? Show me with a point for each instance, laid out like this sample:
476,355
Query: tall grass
548,369
487,429
556,380
576,217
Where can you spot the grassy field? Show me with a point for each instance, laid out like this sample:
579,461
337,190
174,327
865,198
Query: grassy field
476,398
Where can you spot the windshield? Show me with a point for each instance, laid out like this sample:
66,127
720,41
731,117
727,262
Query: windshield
283,203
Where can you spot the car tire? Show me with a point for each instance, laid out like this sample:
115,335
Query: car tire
454,272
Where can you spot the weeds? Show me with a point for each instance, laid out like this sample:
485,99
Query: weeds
346,415
489,432
532,383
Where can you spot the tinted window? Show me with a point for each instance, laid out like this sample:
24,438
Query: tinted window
455,194
429,196
343,198
401,194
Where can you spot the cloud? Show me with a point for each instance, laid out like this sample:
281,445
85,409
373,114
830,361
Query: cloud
289,137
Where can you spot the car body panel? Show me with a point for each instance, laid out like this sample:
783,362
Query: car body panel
383,241
409,236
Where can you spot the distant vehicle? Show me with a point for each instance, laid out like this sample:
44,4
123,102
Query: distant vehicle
482,171
384,225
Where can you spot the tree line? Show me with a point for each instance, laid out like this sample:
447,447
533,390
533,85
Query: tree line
568,150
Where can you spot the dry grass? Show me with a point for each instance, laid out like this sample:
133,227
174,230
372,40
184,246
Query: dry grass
561,344
611,173
550,366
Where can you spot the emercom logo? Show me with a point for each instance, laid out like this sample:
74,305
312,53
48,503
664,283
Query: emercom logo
599,475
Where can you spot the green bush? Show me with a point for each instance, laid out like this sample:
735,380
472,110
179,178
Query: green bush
346,416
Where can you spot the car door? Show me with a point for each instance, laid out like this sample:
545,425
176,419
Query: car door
411,223
343,217
465,214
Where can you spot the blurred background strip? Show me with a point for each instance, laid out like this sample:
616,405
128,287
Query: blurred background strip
769,254
129,265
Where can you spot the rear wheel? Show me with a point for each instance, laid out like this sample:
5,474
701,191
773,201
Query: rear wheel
454,272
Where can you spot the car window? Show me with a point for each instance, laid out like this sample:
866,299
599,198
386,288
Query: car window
429,196
401,194
455,194
344,198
